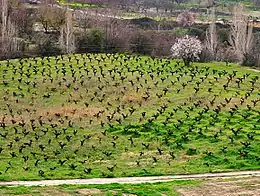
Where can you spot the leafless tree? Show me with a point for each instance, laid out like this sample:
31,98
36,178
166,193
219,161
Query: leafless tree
241,36
211,36
186,18
9,41
116,32
4,10
67,37
51,16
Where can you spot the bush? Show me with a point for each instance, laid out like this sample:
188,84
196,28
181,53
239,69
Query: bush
205,56
223,34
141,43
46,45
162,44
93,41
180,31
250,60
197,31
145,23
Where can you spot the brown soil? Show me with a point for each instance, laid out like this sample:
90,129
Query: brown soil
89,192
71,111
245,187
132,98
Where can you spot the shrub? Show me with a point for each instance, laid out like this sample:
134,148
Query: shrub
141,43
93,41
197,31
249,60
46,45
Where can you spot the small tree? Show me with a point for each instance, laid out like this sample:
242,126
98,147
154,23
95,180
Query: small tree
187,48
51,17
186,19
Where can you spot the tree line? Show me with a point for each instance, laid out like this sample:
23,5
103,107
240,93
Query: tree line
49,29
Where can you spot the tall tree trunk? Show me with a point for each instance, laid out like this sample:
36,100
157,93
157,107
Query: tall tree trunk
67,38
9,44
4,11
211,35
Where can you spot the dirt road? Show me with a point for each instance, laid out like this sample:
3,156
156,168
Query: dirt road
134,180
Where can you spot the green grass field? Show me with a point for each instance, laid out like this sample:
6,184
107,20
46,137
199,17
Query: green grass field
75,5
111,115
249,186
144,189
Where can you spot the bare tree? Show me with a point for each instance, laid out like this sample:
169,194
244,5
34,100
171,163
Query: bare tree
211,35
241,36
186,18
4,10
9,42
67,37
51,16
116,32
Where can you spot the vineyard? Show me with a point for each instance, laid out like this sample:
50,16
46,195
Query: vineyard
111,115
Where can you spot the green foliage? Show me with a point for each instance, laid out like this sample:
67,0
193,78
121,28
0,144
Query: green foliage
46,45
93,41
75,5
180,31
198,31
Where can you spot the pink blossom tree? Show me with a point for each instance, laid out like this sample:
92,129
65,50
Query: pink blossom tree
187,48
186,18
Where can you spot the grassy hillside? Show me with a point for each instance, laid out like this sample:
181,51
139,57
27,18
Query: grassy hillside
106,115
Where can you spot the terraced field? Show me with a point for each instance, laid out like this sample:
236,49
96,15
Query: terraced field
111,115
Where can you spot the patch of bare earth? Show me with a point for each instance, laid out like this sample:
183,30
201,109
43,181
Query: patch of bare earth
53,192
241,187
132,98
89,192
71,111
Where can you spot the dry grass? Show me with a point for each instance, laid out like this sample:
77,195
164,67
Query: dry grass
228,188
71,111
132,98
89,192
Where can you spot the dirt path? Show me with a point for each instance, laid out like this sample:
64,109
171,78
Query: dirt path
255,70
134,180
216,187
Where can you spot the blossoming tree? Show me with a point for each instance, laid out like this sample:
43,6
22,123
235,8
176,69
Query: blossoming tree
186,18
187,48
